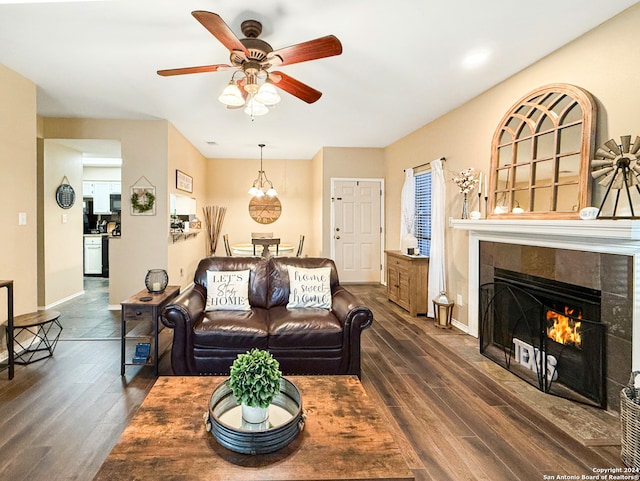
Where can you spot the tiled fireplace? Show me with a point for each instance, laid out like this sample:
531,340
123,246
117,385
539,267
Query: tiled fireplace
598,257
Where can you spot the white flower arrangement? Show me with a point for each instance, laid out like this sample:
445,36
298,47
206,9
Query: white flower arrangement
465,180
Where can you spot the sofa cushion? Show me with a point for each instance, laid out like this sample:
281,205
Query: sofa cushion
309,287
228,291
258,279
278,294
232,329
308,328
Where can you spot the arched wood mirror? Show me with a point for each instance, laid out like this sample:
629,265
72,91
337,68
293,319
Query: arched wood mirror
540,155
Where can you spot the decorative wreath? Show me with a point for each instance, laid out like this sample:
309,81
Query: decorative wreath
143,207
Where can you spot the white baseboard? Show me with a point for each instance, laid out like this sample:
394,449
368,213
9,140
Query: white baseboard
60,301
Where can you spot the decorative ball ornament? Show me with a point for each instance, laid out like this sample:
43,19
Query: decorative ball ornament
616,167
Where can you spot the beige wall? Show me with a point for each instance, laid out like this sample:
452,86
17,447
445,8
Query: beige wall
184,254
342,162
317,205
105,174
143,244
18,191
230,179
604,62
59,239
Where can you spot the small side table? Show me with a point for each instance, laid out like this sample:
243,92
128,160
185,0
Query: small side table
135,309
10,360
43,341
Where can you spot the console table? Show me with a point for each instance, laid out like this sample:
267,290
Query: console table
407,280
10,360
144,306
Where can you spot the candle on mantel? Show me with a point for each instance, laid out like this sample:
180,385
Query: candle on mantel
480,185
486,187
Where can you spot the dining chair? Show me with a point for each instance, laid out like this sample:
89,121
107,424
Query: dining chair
261,235
300,244
227,248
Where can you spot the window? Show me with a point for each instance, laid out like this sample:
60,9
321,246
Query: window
422,229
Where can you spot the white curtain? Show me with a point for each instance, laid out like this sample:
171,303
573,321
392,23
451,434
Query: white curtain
437,273
407,204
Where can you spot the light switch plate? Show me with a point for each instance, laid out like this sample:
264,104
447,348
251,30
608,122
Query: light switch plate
22,218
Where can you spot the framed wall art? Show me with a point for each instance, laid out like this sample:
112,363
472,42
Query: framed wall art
143,197
184,181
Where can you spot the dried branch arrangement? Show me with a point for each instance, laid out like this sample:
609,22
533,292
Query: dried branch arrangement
213,219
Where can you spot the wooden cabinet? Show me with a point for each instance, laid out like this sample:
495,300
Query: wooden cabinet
407,279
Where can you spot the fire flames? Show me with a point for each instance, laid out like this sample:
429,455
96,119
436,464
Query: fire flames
565,329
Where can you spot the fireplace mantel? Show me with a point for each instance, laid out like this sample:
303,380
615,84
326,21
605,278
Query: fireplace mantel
620,236
620,230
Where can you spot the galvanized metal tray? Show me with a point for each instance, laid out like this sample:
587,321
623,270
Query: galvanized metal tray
285,422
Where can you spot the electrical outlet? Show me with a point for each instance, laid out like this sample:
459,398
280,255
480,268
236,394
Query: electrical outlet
459,299
22,218
64,218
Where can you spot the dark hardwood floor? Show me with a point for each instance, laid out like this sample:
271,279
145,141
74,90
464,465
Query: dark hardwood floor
454,417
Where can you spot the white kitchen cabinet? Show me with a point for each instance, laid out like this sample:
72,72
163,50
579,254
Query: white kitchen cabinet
93,255
101,203
87,189
115,187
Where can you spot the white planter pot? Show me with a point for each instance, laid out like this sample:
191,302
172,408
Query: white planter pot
254,415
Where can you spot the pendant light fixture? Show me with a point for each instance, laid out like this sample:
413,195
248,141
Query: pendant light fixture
262,185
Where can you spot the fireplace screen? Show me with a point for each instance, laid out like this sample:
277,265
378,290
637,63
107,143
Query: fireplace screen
547,333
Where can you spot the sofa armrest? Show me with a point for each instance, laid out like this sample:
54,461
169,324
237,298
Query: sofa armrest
355,317
181,315
350,310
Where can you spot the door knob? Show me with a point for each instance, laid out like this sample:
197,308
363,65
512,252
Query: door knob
337,237
337,229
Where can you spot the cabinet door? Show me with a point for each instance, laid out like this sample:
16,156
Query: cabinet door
115,188
392,283
93,259
87,189
101,198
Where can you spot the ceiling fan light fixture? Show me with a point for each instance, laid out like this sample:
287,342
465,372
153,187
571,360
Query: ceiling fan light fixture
254,108
231,95
267,94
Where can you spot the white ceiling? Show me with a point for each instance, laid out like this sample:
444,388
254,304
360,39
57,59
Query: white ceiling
401,66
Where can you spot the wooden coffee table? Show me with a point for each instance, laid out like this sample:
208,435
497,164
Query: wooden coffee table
344,438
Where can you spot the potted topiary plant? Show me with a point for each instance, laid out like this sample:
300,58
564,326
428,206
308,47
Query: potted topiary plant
255,381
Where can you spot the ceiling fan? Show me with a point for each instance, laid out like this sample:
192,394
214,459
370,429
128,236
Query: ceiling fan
253,58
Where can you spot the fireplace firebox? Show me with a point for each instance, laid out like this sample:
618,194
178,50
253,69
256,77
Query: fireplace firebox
547,332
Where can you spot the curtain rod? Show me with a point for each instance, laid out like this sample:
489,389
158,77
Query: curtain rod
426,163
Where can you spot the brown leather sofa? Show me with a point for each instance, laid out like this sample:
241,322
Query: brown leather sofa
303,340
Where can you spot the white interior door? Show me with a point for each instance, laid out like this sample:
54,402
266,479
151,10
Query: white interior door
357,229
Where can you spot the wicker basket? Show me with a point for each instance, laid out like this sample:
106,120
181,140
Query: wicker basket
630,421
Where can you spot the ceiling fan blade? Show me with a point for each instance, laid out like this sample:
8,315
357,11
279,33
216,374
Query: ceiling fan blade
313,49
295,87
201,69
216,26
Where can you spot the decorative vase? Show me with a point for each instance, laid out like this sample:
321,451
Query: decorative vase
254,414
465,207
407,242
